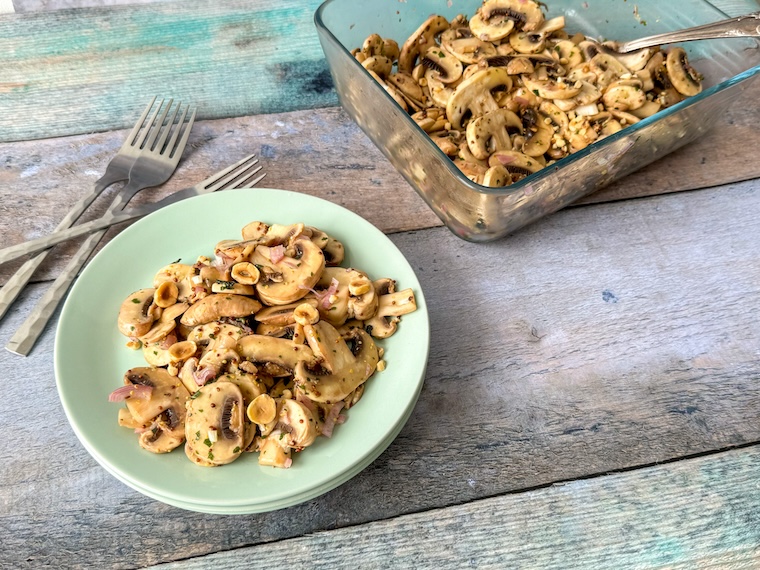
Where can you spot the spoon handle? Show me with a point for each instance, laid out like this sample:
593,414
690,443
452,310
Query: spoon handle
743,26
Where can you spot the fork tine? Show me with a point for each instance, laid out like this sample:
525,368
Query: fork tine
247,182
149,126
168,128
233,178
136,129
211,181
159,125
175,148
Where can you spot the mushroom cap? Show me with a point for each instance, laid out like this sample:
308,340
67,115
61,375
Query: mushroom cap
683,77
490,132
216,334
515,162
473,95
347,301
217,306
442,65
167,431
168,392
339,369
282,352
136,314
289,278
179,273
422,38
215,426
301,430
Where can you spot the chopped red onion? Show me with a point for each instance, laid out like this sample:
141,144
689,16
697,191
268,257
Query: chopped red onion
130,391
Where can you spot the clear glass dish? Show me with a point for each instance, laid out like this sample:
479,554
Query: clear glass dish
477,213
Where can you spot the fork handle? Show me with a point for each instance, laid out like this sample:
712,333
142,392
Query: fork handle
740,27
33,246
29,332
11,290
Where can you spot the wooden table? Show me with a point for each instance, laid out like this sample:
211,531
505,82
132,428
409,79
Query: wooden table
592,397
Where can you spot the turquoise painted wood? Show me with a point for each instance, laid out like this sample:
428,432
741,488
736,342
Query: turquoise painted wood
86,70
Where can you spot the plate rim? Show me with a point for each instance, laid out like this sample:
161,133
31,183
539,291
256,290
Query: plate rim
273,501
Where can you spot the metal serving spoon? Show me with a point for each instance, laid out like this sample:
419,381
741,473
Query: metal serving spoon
743,26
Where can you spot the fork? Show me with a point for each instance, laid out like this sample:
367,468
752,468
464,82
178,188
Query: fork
39,244
116,171
158,157
238,176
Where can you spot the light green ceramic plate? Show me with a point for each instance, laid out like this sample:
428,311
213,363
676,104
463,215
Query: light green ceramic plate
91,357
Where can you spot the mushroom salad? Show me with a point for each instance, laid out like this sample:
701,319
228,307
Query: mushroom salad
260,348
508,92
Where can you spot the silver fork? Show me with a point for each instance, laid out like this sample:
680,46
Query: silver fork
39,244
239,175
116,171
160,148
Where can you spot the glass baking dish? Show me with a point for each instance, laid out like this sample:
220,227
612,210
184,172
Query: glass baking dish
478,213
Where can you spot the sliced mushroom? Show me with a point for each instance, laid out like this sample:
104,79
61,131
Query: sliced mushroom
331,247
215,426
218,306
393,304
430,120
272,454
496,177
216,335
220,286
179,273
607,70
490,132
375,45
496,19
289,276
280,352
297,424
167,432
568,52
163,412
438,92
281,315
547,87
468,50
473,96
442,65
518,164
419,41
624,95
584,103
378,64
165,324
408,88
339,370
682,75
136,314
353,295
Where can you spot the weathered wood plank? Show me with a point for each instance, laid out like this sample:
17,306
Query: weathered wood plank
81,71
319,152
699,513
600,339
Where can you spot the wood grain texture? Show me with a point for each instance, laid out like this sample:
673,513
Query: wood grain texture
78,71
630,520
319,152
602,338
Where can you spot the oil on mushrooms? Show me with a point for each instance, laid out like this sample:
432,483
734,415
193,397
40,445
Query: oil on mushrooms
509,57
242,347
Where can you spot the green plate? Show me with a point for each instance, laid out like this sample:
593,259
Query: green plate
91,356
